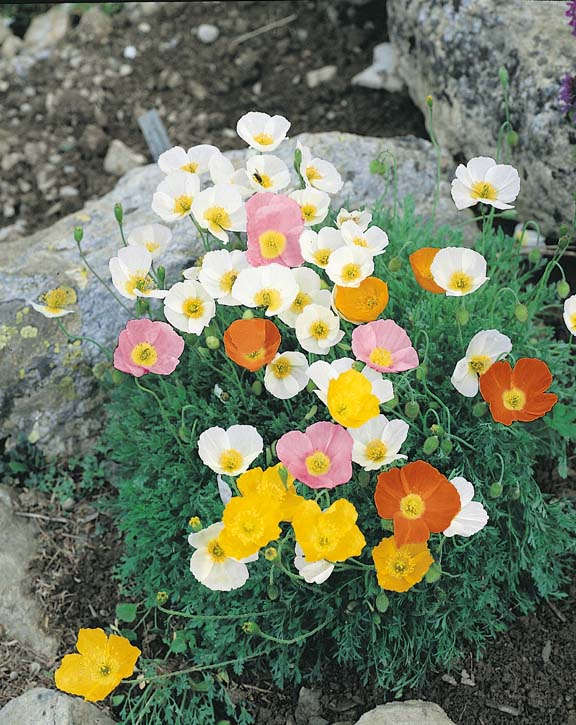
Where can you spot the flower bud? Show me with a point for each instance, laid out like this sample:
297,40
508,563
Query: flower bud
534,255
118,212
395,264
117,377
421,371
462,315
358,365
563,289
272,592
271,553
257,388
512,138
161,274
429,101
195,523
437,429
479,409
515,493
503,75
412,409
78,234
521,312
446,446
509,214
431,445
161,598
203,351
563,229
248,315
212,343
433,574
376,619
363,478
183,433
311,413
250,628
495,489
382,602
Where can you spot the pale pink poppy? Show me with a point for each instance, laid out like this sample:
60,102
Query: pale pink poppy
145,346
321,457
384,346
274,225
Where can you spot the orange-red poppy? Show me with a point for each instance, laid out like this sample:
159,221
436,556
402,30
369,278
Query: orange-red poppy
364,303
518,394
420,262
252,343
419,499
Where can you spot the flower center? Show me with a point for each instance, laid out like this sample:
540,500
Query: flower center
460,282
59,297
484,190
262,179
321,256
217,218
191,167
193,307
319,330
140,281
144,354
216,552
514,399
381,356
479,364
376,451
308,212
281,368
227,281
360,242
573,320
351,272
272,244
401,566
302,300
104,669
264,139
269,298
312,174
182,204
412,506
152,246
317,463
231,460
255,354
249,527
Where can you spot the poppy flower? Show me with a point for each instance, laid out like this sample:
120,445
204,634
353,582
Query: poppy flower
274,226
519,393
384,346
364,303
147,346
419,499
420,262
399,568
329,535
483,180
252,343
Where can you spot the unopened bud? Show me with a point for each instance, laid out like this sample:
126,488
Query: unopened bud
78,234
437,429
479,409
382,602
311,413
195,523
429,101
257,388
250,628
248,315
515,493
462,315
503,75
203,351
118,213
563,230
161,274
358,365
161,598
564,241
534,255
363,478
183,433
512,138
433,574
495,490
412,409
521,312
117,377
421,371
509,214
563,289
272,592
431,445
446,446
395,264
212,343
271,553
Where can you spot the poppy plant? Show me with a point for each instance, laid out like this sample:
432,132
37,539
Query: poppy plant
399,568
364,303
252,343
519,393
420,262
419,499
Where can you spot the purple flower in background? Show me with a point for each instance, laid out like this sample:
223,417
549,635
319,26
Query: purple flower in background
567,95
571,15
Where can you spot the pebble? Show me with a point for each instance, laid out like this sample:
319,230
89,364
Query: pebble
125,70
144,27
316,77
67,192
207,33
4,86
130,52
120,158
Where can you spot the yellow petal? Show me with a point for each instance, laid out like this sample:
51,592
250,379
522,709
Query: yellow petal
123,655
92,642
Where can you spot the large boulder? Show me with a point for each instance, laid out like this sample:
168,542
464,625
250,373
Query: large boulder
49,387
47,707
453,50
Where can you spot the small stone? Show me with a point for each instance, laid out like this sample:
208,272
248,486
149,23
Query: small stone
467,679
13,676
409,712
11,46
314,78
48,29
40,705
4,85
120,158
207,33
124,70
94,24
130,52
34,668
449,680
144,27
197,90
382,74
308,705
93,141
67,192
68,504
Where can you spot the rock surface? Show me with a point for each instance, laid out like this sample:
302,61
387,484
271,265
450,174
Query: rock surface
47,29
409,712
383,73
453,51
49,385
120,159
41,706
19,613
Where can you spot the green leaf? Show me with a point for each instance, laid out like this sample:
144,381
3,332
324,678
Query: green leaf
117,700
563,420
126,612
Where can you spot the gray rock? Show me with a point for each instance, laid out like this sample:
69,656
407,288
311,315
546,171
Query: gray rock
120,158
49,387
316,77
207,33
308,707
93,141
383,73
5,31
11,46
409,712
453,51
94,24
20,615
41,706
48,29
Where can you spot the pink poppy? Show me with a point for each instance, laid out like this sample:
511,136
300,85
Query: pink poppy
321,457
384,346
145,346
274,225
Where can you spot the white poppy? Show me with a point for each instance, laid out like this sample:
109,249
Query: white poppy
309,292
361,218
316,247
219,271
188,307
318,329
377,443
472,516
230,452
154,237
267,173
272,286
482,179
374,239
315,572
193,161
210,564
191,273
459,270
321,373
261,131
130,272
222,171
349,266
173,197
285,374
220,209
314,205
54,303
484,349
318,173
570,313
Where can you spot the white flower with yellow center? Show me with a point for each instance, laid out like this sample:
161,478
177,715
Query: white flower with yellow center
315,572
222,171
154,237
483,180
459,271
212,566
285,374
318,329
314,205
374,239
191,273
528,238
318,173
55,302
173,197
570,313
316,247
188,307
321,373
349,266
261,131
309,292
472,516
484,349
230,452
272,286
193,161
267,173
377,443
220,209
219,271
361,218
131,276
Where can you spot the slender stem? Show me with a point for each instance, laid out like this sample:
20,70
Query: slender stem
99,278
213,617
200,668
163,413
438,160
121,227
70,336
205,242
277,640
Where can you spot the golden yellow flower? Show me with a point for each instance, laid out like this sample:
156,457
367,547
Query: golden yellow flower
399,568
274,482
331,534
350,399
250,522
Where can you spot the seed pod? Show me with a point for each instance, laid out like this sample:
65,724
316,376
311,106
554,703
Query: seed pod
257,388
382,602
479,409
462,315
446,446
212,343
118,212
431,445
272,592
437,429
495,489
512,138
412,409
395,264
421,371
521,312
563,289
78,234
433,574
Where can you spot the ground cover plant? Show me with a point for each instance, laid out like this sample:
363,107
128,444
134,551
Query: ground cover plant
323,454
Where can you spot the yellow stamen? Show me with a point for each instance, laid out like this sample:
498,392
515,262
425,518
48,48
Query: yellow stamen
381,356
460,282
193,307
312,174
317,463
140,281
514,399
269,298
144,354
301,301
321,256
319,330
360,242
412,506
351,272
264,139
58,298
263,180
182,205
376,451
308,212
191,167
272,244
400,566
484,190
281,368
216,551
479,364
227,281
217,218
152,246
230,460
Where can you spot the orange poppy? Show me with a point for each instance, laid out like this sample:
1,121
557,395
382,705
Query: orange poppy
419,499
420,262
364,303
518,394
252,343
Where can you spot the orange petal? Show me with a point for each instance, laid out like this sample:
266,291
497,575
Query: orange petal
442,506
389,492
420,261
531,375
408,531
422,478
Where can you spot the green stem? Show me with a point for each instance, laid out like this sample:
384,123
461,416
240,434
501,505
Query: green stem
438,160
200,668
301,637
99,278
72,337
163,413
121,227
205,242
214,617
